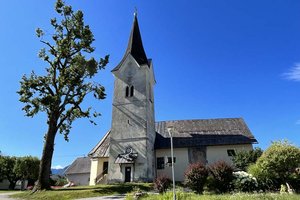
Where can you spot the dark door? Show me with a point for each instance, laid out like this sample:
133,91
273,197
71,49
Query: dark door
105,167
127,174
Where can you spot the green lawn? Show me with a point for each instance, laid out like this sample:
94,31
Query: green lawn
103,190
81,192
238,196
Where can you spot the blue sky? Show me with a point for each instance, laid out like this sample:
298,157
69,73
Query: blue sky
212,59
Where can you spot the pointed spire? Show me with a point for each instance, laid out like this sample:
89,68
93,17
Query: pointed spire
135,44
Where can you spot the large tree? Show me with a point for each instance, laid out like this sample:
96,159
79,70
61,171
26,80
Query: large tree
67,82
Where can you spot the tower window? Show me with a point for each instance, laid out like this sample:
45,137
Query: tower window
131,91
127,91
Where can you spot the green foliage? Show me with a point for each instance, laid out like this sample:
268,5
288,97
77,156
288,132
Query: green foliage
17,168
61,91
27,167
243,159
265,182
278,164
61,181
220,177
162,183
196,176
7,164
66,83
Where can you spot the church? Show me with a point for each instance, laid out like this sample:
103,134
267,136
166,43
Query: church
137,148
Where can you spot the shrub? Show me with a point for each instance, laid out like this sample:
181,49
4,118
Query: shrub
221,176
262,177
279,163
196,176
61,181
243,159
244,182
162,183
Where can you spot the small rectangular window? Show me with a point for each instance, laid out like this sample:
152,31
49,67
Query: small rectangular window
230,152
160,163
170,160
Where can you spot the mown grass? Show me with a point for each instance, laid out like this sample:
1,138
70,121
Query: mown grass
237,196
82,192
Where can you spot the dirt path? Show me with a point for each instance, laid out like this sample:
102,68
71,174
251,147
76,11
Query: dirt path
5,196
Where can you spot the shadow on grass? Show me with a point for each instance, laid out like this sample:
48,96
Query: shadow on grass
113,188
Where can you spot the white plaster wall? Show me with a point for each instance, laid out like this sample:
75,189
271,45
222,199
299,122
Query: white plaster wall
217,153
79,179
182,161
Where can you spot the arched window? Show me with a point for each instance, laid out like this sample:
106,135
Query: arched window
131,91
127,91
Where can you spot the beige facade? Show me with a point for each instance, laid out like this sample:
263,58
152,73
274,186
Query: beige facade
96,169
216,153
182,158
181,162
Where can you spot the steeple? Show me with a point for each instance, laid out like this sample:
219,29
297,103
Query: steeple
135,45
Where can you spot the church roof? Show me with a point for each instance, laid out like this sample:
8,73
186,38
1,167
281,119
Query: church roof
204,132
102,148
135,46
81,165
192,133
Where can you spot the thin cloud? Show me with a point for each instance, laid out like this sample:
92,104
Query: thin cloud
298,122
294,73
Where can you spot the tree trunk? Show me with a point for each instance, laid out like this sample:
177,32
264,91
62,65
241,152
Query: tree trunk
45,165
12,185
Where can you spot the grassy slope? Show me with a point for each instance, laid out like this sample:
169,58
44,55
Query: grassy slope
81,192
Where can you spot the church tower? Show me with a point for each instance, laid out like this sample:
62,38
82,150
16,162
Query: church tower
132,135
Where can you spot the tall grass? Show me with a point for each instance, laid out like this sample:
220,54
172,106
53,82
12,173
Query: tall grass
237,196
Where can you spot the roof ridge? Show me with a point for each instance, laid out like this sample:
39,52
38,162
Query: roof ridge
207,119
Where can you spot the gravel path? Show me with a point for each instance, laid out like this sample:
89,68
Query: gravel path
5,196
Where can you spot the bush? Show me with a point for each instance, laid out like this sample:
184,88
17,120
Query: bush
244,182
162,183
262,177
220,177
61,181
279,163
196,176
243,159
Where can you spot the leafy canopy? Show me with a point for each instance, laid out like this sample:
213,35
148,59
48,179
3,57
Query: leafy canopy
16,168
62,90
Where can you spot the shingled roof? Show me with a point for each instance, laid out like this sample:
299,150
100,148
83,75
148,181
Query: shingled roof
102,148
81,165
204,132
135,46
192,133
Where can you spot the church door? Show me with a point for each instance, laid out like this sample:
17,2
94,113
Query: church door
127,174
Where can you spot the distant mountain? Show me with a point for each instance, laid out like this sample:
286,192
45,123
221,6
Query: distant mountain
59,171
